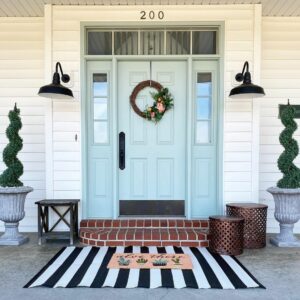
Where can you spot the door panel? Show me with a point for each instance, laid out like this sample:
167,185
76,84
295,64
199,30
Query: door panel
155,155
205,137
99,139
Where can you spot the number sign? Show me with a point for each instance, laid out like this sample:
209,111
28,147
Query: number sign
152,15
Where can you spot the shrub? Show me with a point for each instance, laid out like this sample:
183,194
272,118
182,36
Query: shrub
10,176
291,174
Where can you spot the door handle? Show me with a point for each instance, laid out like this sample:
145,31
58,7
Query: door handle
122,150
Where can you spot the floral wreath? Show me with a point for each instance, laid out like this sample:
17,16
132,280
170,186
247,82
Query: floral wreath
163,101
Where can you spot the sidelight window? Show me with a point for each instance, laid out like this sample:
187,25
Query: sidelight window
203,108
100,108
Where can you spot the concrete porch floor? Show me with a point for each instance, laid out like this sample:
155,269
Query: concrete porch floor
276,268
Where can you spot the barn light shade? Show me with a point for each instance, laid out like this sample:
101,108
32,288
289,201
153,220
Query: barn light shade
246,89
55,89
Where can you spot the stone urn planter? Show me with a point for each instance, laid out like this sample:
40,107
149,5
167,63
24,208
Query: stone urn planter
12,191
12,200
287,193
287,213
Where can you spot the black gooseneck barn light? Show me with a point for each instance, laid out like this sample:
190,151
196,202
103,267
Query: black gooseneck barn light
55,89
246,89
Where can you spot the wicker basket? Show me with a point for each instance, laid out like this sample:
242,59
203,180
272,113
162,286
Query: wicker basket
255,216
226,235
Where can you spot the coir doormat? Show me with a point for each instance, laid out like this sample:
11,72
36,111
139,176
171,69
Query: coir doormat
88,267
150,261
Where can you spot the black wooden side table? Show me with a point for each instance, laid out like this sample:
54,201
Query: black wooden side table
43,219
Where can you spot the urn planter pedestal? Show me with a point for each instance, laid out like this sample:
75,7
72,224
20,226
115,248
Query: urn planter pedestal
12,200
287,213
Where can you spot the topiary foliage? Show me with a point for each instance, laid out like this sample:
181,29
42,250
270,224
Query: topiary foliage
10,176
291,174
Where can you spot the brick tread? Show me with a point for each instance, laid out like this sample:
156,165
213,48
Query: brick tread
142,223
145,232
193,237
144,243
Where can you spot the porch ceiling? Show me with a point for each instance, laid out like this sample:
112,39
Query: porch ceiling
34,8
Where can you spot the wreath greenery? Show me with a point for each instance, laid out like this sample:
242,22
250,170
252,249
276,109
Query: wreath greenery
163,101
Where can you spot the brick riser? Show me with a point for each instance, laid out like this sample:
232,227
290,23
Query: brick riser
138,232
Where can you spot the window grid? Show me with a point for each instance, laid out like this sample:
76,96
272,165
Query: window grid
153,34
203,111
100,112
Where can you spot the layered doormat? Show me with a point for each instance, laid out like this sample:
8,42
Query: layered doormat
88,267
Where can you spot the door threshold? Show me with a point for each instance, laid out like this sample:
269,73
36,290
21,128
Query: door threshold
151,217
149,208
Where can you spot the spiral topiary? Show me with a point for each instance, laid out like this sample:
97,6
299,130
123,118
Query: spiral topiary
291,174
10,176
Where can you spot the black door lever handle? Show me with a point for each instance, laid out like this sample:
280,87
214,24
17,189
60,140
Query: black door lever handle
122,150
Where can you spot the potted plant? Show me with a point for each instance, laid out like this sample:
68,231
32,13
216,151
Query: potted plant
160,262
142,261
287,192
12,191
123,261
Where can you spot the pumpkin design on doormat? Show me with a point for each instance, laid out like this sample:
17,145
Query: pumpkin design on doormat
163,101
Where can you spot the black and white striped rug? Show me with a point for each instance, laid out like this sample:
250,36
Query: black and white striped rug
87,267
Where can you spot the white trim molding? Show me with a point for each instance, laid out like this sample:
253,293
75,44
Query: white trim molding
257,28
48,102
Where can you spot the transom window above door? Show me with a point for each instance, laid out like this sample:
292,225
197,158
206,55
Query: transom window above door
172,41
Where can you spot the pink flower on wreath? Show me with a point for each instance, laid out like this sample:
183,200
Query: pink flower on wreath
152,115
160,107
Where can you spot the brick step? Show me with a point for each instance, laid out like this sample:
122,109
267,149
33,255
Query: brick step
142,223
190,237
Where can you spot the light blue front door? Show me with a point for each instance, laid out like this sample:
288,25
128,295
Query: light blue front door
155,153
176,159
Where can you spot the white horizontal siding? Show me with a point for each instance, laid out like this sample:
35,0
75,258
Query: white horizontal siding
21,74
238,135
22,70
66,149
281,80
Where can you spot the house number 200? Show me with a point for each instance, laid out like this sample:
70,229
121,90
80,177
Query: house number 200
152,15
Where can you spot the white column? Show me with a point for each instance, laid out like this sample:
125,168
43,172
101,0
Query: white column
257,24
48,102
